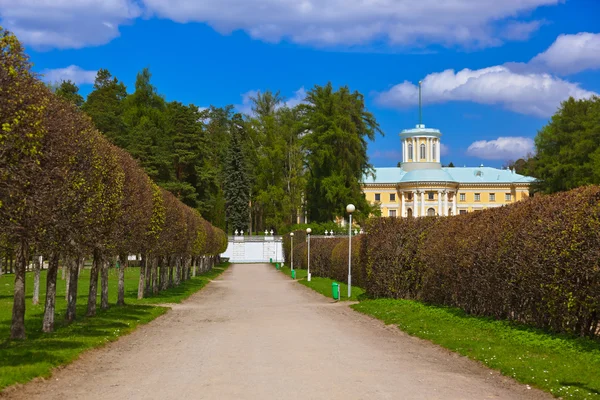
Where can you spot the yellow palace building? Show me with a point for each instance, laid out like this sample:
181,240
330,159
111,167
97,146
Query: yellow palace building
421,186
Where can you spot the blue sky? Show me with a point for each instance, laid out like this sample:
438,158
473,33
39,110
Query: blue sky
493,72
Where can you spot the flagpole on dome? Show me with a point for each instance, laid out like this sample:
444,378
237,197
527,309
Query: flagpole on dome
420,105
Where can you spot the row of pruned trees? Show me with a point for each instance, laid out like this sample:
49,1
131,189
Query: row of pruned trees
66,192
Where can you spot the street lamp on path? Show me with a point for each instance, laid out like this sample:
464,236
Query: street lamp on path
292,249
308,231
350,209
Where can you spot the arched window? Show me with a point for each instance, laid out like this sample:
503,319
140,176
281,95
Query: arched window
409,213
434,152
450,211
423,151
410,151
430,212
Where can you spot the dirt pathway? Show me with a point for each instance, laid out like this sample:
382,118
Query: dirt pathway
255,334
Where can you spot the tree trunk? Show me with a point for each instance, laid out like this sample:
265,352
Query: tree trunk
142,280
72,289
194,261
155,276
171,280
104,285
177,277
48,325
37,265
67,276
121,296
149,288
17,328
93,292
164,275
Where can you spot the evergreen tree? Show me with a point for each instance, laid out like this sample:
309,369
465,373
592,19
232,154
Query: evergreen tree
104,105
69,91
237,182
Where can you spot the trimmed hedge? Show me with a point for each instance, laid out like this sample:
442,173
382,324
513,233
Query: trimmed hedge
535,262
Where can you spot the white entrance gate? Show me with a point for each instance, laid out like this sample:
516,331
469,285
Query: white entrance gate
254,249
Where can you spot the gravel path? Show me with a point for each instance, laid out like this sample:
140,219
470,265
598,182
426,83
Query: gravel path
255,334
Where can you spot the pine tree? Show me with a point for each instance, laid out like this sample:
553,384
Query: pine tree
237,181
69,91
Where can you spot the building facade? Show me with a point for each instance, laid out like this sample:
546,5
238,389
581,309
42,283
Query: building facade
422,187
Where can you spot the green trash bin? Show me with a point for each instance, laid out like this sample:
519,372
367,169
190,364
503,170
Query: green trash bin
271,260
335,290
277,265
293,274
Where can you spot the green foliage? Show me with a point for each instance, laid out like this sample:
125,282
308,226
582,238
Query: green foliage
337,127
568,148
69,91
565,366
237,185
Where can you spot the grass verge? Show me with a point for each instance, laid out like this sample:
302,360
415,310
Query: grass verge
323,285
21,361
565,366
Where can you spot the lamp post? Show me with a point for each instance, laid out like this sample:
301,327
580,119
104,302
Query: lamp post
292,249
308,231
350,209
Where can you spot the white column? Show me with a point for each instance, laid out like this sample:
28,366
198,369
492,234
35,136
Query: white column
454,199
402,208
429,155
440,203
423,203
446,203
415,209
438,149
415,150
404,150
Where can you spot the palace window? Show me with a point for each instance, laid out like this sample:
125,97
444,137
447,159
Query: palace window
410,151
463,197
392,196
409,213
430,212
422,151
377,196
477,196
392,213
434,152
462,212
507,197
430,195
492,196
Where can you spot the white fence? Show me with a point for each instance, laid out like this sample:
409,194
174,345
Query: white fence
254,249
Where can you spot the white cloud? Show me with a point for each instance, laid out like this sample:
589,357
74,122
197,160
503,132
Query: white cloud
297,99
351,22
570,54
503,148
78,23
536,94
66,23
388,154
73,73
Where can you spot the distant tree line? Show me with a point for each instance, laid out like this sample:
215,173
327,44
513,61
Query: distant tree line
245,172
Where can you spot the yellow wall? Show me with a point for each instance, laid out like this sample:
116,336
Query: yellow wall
469,204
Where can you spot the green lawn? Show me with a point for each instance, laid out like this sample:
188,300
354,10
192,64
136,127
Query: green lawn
323,285
565,366
21,361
